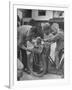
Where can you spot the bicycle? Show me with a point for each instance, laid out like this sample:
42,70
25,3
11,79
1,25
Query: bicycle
38,60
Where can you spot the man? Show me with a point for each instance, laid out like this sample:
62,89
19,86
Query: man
59,39
19,69
22,32
46,30
47,34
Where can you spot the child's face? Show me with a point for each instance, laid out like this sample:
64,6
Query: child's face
38,41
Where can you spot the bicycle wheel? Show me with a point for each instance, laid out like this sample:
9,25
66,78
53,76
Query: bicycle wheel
37,64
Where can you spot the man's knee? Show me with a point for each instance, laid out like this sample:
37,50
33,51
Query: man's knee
19,64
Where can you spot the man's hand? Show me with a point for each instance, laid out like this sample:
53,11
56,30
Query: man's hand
47,40
23,47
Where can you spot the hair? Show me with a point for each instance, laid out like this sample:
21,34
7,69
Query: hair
46,28
36,32
32,22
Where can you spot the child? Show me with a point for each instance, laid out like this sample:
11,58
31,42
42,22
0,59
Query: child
38,44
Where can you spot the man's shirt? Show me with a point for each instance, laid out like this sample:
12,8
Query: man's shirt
53,46
22,32
59,39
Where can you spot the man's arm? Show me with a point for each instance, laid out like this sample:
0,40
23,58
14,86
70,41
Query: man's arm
54,38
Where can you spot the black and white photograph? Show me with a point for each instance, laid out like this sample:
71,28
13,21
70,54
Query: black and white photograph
40,44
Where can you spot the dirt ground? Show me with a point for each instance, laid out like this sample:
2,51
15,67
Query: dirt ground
51,74
47,76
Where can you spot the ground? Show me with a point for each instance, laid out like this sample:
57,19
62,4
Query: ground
47,76
52,74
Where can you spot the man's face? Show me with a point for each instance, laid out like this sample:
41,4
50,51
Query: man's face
47,31
54,30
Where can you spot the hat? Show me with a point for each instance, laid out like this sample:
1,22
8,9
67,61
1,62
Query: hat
55,26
